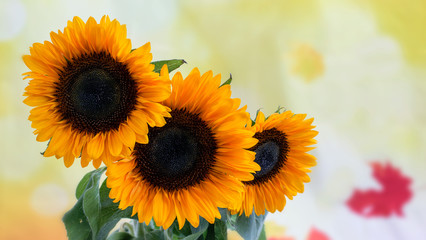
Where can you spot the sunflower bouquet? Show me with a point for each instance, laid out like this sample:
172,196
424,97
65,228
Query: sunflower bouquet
182,159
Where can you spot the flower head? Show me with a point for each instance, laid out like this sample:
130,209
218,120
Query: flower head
92,95
194,163
281,153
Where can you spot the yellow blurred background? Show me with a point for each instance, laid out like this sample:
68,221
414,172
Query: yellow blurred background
357,66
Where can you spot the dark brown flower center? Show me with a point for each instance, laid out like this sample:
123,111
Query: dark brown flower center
179,155
271,154
95,93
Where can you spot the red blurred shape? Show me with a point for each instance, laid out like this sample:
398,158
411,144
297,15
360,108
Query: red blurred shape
316,234
395,193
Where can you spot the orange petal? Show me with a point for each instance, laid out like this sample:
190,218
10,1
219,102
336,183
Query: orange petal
69,159
96,146
115,145
127,135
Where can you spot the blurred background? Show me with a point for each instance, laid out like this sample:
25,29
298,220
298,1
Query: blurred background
356,66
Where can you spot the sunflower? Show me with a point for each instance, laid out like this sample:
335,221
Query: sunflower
92,95
194,163
281,153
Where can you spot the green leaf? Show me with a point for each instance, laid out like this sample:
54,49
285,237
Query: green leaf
180,233
221,226
94,215
172,64
76,223
75,220
202,227
227,82
92,202
199,231
220,230
153,235
110,214
193,236
167,234
251,227
121,236
82,185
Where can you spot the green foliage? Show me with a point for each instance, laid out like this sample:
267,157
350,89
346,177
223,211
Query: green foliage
220,230
78,225
92,203
250,228
95,215
172,64
110,214
82,185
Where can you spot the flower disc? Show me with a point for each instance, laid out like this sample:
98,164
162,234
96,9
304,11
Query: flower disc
181,154
281,153
92,95
194,163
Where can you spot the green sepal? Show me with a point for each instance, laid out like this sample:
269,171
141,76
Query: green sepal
227,82
253,122
279,109
42,153
172,64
